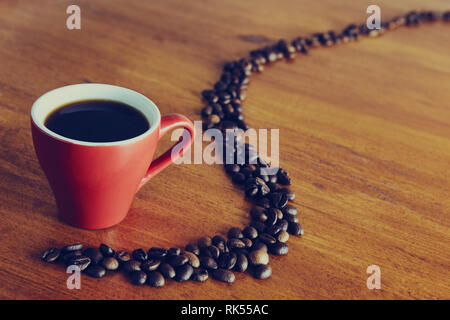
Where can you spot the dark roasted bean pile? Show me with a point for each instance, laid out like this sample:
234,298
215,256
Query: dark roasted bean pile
273,218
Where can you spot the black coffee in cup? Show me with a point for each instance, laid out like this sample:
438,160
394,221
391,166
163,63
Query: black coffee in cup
97,121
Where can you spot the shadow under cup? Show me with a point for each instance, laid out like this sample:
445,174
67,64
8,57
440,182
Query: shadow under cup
94,182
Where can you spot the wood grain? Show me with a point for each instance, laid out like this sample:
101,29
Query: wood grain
364,132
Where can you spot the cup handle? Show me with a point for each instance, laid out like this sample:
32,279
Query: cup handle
169,122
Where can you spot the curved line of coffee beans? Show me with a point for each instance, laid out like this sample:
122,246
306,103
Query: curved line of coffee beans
272,218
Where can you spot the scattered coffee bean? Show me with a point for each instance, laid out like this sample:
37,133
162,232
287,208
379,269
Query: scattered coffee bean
50,255
279,248
155,279
70,255
227,260
95,271
250,232
156,253
235,233
123,256
94,254
110,263
235,244
295,229
150,265
132,265
224,275
193,259
204,242
193,247
283,236
267,238
248,243
106,250
173,251
167,270
291,210
258,245
257,257
184,272
200,275
177,261
139,255
241,263
138,277
208,263
72,247
262,272
214,252
81,261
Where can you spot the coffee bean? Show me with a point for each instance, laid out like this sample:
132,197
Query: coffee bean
262,272
262,202
258,213
274,230
72,247
258,245
238,177
291,218
193,247
110,263
70,255
155,279
291,210
214,252
278,199
283,224
224,275
173,251
193,259
95,271
267,238
257,257
295,229
235,233
106,250
138,277
227,260
156,253
167,270
123,256
139,255
279,248
208,263
94,254
283,236
248,243
259,226
200,275
177,261
271,217
207,111
283,177
250,232
204,242
219,242
241,263
289,193
50,255
232,168
184,272
235,244
81,261
132,265
150,265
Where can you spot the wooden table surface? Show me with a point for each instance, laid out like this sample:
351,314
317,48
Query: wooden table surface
364,133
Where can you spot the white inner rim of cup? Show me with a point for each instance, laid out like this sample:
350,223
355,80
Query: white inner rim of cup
56,98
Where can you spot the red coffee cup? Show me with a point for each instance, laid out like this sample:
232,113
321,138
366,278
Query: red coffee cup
94,182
